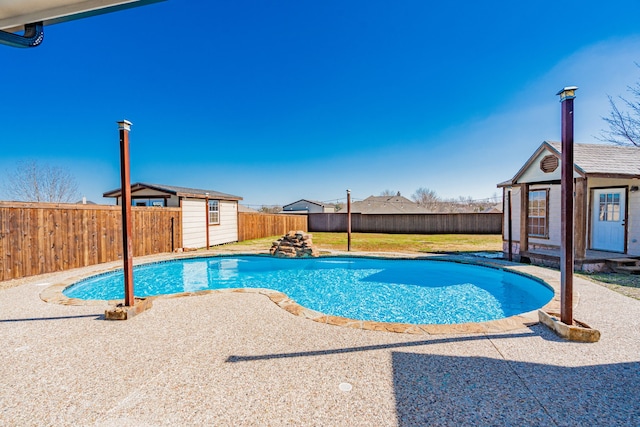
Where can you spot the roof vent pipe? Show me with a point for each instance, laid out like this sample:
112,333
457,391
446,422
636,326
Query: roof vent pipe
32,37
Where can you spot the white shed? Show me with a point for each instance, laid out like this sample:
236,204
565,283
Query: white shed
209,217
606,206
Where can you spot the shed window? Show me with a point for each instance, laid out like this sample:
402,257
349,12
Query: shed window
538,215
214,212
609,207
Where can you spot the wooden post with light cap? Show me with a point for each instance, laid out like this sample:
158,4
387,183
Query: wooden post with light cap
567,222
124,126
206,221
348,220
566,327
129,308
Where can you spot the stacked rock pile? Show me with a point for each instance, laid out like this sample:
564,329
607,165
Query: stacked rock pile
294,244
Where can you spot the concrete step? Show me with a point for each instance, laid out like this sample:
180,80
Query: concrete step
627,269
622,261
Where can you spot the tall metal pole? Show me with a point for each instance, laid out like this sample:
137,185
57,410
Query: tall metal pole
566,257
127,254
348,220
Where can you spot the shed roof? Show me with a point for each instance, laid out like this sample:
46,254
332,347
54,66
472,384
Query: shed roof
196,193
604,158
590,160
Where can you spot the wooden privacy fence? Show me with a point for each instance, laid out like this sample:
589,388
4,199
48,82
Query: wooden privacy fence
258,225
454,223
38,238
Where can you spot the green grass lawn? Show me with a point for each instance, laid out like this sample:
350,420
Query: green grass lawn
413,243
625,284
376,242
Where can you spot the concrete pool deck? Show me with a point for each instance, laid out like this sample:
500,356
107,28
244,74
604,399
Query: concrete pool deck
239,359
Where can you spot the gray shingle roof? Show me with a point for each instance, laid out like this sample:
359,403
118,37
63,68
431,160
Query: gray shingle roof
246,209
604,159
178,191
386,205
314,202
590,159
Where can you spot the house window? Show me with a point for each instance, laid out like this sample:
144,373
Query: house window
609,207
538,214
214,212
148,202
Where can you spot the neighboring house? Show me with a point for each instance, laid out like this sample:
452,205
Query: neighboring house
606,205
246,209
208,217
387,205
308,206
493,209
84,201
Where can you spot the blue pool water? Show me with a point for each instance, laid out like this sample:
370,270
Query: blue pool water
384,290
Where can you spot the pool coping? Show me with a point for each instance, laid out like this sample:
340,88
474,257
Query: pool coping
53,293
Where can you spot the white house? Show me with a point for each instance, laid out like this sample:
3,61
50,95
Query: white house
606,205
208,217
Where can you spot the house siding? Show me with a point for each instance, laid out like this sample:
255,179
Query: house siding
554,237
633,225
535,174
515,221
194,223
227,230
194,217
515,212
148,192
553,210
172,201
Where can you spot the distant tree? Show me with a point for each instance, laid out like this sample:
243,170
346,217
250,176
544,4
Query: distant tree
31,181
338,207
469,205
270,209
427,198
388,193
624,124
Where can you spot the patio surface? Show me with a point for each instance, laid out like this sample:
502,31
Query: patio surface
239,359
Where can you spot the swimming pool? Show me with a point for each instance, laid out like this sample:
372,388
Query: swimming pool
382,290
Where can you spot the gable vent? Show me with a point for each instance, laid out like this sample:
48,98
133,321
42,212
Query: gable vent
548,164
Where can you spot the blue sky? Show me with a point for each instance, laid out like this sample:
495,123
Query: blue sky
283,100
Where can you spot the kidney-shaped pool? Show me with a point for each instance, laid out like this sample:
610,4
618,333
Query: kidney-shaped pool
414,291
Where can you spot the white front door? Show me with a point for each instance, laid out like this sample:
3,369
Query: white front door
608,220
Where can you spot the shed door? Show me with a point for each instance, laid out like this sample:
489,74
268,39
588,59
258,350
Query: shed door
607,224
